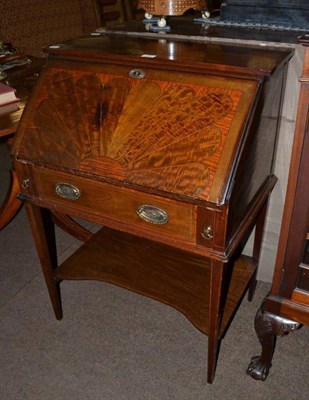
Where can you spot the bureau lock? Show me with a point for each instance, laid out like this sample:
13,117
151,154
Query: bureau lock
137,73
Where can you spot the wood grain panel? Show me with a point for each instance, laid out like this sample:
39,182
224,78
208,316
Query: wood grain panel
171,133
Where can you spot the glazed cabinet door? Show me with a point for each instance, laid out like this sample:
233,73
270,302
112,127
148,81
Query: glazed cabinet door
295,283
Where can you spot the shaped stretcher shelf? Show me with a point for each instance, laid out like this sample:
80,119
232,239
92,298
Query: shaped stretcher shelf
174,277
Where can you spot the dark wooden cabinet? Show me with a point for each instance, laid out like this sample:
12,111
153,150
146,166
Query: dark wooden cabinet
169,145
287,305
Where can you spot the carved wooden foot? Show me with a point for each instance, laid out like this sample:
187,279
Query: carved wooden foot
267,327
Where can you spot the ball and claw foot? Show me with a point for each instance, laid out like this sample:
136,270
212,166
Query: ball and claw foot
257,369
268,326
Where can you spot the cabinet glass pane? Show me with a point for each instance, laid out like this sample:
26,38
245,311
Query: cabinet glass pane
305,258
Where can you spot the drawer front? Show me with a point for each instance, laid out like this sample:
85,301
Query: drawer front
146,212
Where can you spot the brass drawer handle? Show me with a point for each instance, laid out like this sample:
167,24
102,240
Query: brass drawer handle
152,214
67,191
137,73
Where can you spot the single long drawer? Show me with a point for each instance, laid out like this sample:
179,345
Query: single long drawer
147,212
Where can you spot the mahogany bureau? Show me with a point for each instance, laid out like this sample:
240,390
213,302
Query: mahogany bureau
169,145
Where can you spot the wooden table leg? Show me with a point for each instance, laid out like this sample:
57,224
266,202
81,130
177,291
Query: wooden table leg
11,204
43,230
218,291
257,246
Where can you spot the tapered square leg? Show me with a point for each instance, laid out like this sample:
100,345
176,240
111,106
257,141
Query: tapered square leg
218,292
258,237
43,231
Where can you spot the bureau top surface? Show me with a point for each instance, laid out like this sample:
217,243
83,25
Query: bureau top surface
173,53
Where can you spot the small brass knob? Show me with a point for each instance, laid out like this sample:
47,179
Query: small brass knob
207,233
25,183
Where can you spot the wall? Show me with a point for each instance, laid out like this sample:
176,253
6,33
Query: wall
31,25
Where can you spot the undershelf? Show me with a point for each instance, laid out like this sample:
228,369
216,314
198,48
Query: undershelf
171,276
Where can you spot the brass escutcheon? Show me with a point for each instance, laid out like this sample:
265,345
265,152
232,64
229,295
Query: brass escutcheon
137,73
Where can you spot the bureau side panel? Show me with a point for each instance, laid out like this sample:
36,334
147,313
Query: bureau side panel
255,164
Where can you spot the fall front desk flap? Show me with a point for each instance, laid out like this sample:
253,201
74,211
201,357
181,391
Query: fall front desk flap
172,132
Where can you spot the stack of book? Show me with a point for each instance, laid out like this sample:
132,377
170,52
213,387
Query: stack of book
8,99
